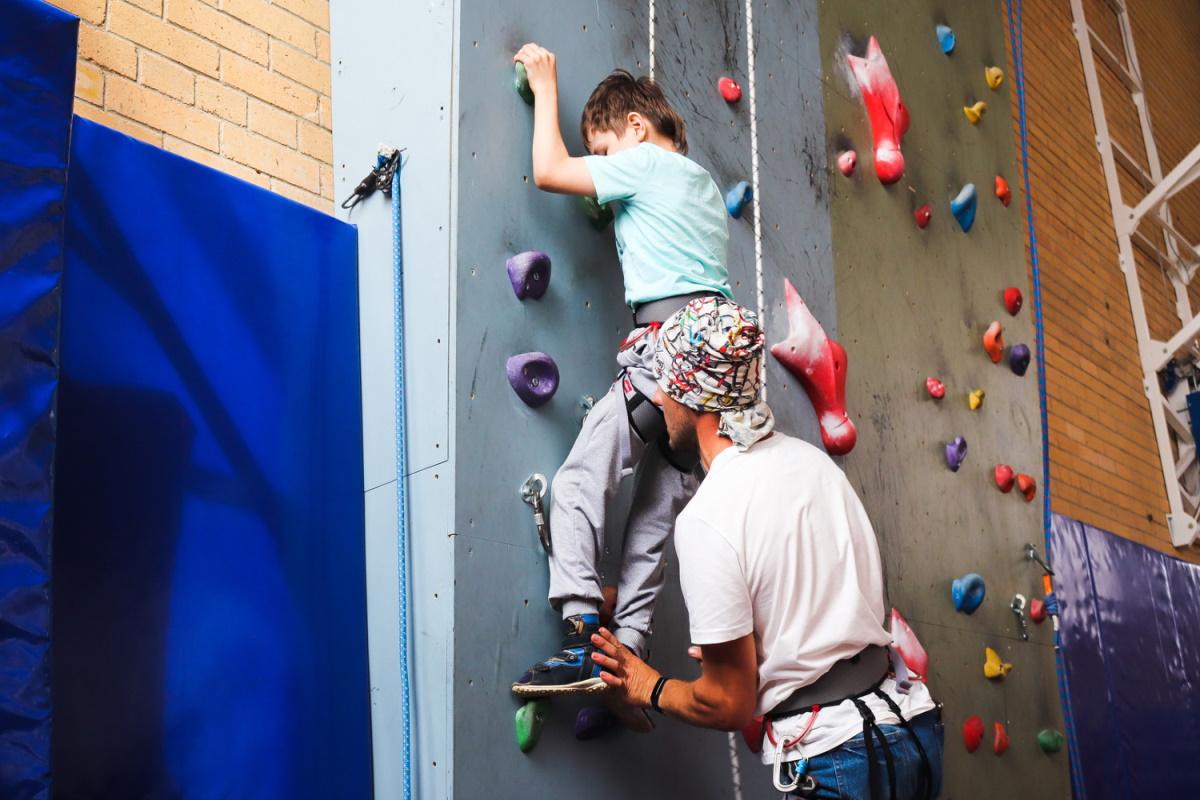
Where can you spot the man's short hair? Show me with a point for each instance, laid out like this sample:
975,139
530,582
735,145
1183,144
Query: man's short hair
621,94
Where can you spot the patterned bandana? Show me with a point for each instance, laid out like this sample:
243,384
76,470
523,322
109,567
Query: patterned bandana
709,357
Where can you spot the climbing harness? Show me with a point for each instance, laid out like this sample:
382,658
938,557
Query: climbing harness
532,492
800,770
380,178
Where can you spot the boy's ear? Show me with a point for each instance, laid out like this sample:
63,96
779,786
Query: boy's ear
637,122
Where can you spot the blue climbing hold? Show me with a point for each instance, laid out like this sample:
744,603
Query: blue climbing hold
967,592
963,207
737,198
945,36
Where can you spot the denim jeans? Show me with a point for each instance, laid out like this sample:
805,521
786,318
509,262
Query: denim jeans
842,772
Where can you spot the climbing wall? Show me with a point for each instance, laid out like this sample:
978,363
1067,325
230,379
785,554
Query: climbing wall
915,303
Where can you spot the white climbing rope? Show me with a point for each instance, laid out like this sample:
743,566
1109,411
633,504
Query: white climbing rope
735,770
650,13
758,257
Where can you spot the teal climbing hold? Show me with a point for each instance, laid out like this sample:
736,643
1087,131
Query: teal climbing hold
945,37
521,83
600,216
529,721
737,198
963,207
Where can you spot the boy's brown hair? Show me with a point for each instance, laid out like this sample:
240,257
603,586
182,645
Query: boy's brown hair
621,94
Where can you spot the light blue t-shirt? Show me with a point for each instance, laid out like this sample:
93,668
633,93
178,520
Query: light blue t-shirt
670,224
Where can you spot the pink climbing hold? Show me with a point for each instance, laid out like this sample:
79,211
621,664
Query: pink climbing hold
1013,300
922,215
909,647
847,160
936,389
729,89
1004,478
1027,486
972,733
1003,191
819,363
993,342
889,117
1000,742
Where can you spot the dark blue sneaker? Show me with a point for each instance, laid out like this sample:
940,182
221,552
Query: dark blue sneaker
571,670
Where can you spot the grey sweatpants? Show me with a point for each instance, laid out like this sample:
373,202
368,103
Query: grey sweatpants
606,451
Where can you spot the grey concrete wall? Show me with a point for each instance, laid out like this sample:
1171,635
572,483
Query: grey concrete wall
913,303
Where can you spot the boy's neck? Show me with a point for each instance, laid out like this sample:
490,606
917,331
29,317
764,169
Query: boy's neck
658,140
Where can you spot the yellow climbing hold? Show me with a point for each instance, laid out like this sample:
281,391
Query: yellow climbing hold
993,667
994,77
973,113
975,399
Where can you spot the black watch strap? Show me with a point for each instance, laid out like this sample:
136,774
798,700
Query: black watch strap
654,695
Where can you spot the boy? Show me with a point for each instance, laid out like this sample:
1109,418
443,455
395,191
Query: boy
671,233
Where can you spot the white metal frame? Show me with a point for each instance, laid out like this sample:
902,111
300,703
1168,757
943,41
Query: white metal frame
1176,446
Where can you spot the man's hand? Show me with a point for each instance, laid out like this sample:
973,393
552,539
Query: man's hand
630,678
540,67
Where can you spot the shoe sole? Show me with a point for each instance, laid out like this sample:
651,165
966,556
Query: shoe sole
589,686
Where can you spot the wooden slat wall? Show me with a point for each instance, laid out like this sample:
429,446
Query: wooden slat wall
1104,464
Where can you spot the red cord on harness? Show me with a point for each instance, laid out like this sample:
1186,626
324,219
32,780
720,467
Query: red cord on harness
790,743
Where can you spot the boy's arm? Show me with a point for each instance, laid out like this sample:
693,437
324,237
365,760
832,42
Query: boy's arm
554,170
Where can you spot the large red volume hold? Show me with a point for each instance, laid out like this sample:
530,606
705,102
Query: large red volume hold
909,647
819,363
972,733
889,117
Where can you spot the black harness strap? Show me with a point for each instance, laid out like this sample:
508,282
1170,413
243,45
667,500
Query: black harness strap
870,731
926,790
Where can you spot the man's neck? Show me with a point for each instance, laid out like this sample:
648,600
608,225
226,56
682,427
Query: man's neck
712,444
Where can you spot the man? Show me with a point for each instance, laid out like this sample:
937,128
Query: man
781,576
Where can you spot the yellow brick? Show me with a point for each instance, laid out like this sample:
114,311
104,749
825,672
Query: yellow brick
275,21
316,142
161,37
153,6
323,46
220,28
273,123
89,82
118,123
325,117
228,166
327,181
300,196
89,10
159,111
270,157
300,67
221,100
315,11
111,52
274,89
168,77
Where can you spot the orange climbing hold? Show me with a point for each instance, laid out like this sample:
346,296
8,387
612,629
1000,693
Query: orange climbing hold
1004,478
1000,742
1027,486
974,113
993,667
975,399
993,342
1003,191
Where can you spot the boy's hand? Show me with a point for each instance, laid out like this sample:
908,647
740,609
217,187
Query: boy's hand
540,67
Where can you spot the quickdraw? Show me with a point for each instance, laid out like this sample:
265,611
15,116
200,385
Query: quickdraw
379,178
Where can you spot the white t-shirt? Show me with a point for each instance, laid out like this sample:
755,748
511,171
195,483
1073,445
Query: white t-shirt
776,543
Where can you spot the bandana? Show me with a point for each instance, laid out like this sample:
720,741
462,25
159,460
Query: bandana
709,357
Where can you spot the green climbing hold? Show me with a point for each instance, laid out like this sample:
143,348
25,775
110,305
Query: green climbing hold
600,216
521,83
530,718
1051,741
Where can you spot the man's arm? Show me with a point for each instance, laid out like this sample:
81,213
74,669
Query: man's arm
722,697
554,170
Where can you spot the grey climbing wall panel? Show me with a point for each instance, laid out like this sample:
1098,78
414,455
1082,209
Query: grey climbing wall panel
914,303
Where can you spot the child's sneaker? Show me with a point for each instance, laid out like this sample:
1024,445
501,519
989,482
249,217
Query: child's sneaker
571,670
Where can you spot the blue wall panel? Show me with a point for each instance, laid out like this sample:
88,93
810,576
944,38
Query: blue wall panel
37,81
210,623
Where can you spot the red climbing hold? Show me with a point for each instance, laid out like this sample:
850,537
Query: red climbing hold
972,733
1037,610
1004,478
922,215
847,160
1013,300
1003,191
729,90
1000,742
819,363
936,389
906,643
993,342
1027,486
889,117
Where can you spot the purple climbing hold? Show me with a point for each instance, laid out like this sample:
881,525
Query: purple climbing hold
591,721
529,273
956,451
533,376
1018,359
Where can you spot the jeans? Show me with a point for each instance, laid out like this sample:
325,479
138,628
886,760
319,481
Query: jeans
842,772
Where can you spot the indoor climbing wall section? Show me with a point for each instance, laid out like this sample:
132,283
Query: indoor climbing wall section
930,263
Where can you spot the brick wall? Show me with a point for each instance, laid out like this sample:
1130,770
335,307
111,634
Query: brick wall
1103,457
239,85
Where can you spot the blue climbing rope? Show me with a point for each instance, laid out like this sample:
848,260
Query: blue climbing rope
1017,42
401,489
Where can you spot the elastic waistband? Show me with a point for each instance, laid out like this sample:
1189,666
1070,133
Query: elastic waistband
659,310
848,678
